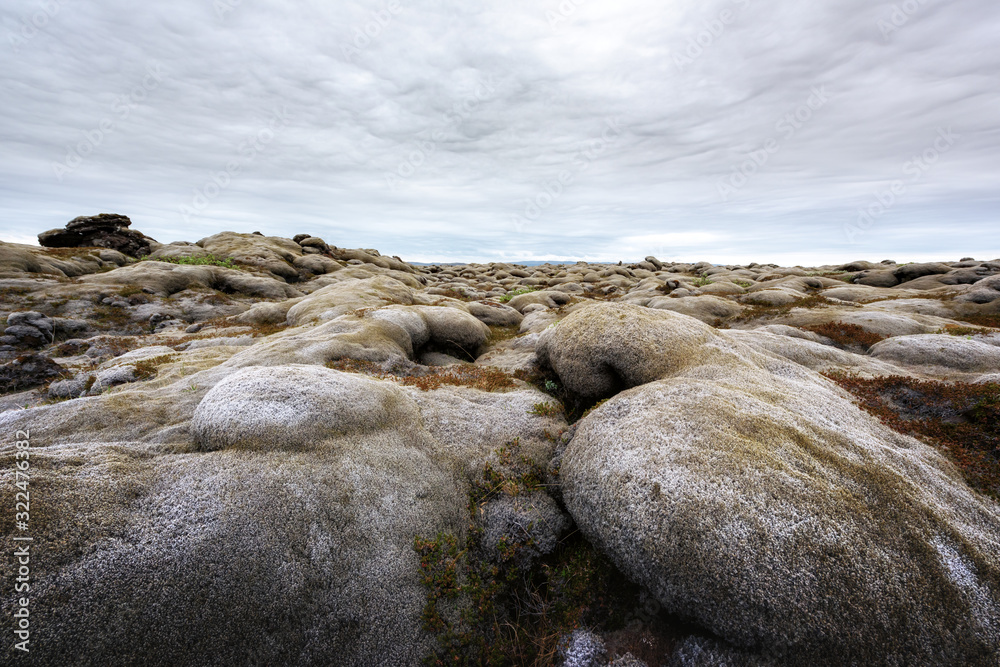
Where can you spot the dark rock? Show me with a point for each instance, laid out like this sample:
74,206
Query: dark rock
298,237
909,272
26,336
856,266
73,388
31,318
28,371
86,224
655,262
877,279
107,230
29,328
313,242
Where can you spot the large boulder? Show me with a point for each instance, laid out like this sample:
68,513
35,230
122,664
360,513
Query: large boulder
106,230
296,407
603,348
750,495
267,253
347,296
180,555
953,353
908,272
709,309
986,290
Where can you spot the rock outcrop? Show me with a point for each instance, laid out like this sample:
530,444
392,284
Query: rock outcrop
106,230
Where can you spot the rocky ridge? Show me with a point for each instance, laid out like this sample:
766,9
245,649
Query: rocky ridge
306,451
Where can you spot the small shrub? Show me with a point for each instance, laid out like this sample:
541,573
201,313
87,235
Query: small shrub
701,281
491,609
545,409
11,292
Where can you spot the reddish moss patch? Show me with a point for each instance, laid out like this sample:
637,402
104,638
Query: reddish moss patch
484,378
958,418
991,320
256,330
847,335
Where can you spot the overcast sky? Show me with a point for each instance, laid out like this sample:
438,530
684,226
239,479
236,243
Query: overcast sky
726,130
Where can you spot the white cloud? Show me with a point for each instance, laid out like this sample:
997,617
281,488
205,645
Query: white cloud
476,109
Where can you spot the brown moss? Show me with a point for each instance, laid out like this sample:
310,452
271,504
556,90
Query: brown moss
255,330
991,320
484,378
12,292
85,252
846,335
130,289
762,311
499,334
957,330
147,368
113,318
960,419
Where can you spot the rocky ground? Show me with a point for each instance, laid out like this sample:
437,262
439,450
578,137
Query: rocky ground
262,450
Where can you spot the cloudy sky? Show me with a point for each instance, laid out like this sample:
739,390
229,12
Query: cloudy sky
726,130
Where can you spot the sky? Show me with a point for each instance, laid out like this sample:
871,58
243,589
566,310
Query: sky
438,130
